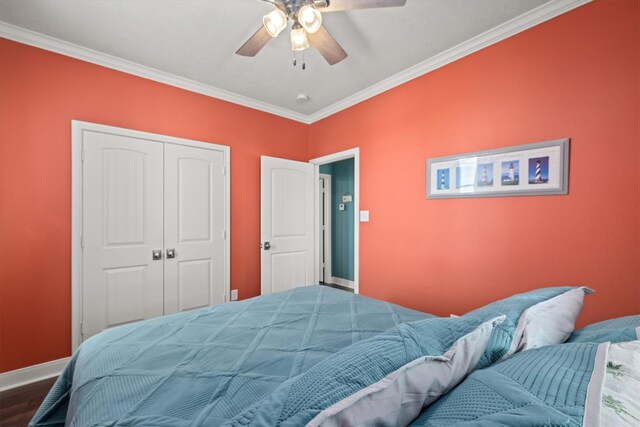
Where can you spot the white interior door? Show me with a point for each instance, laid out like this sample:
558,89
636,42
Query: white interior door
287,224
194,228
123,225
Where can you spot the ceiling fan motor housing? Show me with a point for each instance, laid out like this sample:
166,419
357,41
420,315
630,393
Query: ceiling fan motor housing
291,7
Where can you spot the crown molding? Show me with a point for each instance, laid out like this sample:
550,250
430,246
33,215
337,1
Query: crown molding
32,38
516,25
521,23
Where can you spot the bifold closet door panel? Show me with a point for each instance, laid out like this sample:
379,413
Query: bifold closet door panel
122,227
194,227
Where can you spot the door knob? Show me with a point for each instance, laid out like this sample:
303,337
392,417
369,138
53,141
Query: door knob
267,246
156,254
171,253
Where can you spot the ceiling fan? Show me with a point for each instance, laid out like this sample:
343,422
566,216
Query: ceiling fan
307,29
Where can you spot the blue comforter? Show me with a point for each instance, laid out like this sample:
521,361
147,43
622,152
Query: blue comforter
212,363
542,387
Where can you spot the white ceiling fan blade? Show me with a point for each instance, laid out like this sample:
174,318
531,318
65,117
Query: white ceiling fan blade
340,5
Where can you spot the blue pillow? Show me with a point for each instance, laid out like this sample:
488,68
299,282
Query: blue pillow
621,329
346,385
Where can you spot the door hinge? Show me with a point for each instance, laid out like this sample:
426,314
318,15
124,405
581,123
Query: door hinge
82,329
224,235
82,241
224,298
224,170
82,155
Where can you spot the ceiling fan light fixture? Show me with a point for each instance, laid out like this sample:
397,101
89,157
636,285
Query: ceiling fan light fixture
274,22
299,38
310,18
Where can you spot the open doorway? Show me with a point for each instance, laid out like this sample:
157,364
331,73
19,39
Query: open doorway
337,219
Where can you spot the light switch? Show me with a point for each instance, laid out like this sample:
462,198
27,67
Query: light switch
364,216
341,207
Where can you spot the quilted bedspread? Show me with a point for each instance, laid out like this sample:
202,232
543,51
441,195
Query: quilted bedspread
206,366
542,387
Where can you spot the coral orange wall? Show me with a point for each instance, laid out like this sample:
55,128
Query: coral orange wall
40,93
575,76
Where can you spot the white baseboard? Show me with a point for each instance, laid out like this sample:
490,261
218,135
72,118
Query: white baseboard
32,374
342,282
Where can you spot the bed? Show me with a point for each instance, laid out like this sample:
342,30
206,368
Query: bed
213,362
320,356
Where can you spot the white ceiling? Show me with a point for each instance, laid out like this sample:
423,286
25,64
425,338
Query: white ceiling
192,43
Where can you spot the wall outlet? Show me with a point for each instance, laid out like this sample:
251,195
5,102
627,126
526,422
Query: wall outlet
234,295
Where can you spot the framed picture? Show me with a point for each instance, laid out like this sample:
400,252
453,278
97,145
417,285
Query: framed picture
535,169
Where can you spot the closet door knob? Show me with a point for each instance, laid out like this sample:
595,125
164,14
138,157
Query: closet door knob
171,253
156,254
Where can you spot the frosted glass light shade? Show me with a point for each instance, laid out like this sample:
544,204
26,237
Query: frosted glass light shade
310,18
274,22
299,39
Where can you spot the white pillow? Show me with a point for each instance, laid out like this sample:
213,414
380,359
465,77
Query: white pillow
399,397
549,322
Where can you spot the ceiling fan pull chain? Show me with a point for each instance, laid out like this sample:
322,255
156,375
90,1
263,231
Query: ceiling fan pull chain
304,64
294,58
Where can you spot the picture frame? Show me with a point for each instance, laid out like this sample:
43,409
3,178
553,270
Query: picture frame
537,169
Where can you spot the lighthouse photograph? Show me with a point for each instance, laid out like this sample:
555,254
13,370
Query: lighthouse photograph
443,179
539,170
484,177
510,174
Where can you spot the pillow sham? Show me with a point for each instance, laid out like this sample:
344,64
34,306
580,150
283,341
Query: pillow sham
534,319
621,329
559,385
550,322
620,405
384,380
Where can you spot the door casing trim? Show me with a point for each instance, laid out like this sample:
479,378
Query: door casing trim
327,216
353,153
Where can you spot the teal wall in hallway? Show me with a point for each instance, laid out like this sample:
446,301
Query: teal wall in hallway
342,223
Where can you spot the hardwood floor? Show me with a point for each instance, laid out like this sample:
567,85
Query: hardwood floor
333,285
18,405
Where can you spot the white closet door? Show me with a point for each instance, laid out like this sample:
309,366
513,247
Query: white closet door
123,225
194,228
